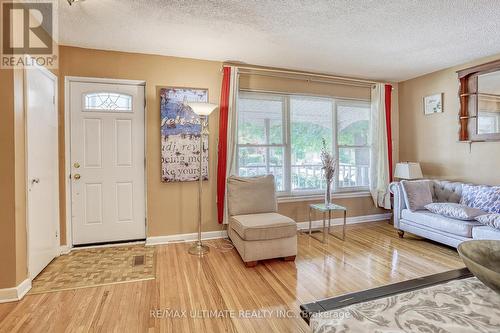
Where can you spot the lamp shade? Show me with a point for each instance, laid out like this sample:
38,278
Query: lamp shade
202,109
408,170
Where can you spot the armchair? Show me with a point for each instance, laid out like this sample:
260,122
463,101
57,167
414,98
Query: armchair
256,229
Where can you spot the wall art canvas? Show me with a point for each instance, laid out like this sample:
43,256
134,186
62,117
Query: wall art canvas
433,104
180,135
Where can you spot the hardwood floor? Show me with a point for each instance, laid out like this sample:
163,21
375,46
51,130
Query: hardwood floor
372,255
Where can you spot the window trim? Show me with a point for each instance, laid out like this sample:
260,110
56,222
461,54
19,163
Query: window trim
289,195
315,197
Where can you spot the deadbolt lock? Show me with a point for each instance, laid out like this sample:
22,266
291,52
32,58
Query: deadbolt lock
76,165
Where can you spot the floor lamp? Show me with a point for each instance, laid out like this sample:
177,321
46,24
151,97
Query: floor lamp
203,110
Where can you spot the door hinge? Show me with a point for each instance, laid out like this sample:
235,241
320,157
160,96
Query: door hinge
54,99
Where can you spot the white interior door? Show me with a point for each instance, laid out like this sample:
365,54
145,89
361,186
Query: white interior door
107,162
42,168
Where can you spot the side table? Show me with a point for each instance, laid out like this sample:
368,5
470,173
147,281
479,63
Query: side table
327,209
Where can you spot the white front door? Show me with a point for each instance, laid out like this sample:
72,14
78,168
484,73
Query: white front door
42,168
107,162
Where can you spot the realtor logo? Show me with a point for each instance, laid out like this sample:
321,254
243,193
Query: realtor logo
28,34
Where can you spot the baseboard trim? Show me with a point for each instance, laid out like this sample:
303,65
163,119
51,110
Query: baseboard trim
15,294
179,238
349,220
64,249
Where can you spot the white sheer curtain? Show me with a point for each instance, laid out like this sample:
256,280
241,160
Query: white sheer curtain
232,119
379,171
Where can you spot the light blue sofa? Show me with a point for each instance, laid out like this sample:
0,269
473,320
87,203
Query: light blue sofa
441,229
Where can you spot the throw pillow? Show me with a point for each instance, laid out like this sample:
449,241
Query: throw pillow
417,194
483,197
492,220
455,210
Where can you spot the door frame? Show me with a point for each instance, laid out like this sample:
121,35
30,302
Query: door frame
54,78
67,148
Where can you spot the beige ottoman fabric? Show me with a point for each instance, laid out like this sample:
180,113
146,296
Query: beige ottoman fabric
264,249
263,226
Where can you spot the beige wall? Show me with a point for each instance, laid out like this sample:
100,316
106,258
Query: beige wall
299,211
20,177
7,187
171,208
291,85
433,140
13,246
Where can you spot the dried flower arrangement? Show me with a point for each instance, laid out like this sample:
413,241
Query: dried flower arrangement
329,165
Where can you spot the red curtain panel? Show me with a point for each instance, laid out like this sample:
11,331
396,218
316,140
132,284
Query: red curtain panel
388,97
222,151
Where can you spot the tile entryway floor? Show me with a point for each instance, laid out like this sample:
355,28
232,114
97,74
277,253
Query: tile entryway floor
96,267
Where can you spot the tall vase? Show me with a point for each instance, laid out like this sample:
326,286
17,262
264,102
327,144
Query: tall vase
328,192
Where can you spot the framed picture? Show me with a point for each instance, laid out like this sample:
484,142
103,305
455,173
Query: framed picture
433,104
180,135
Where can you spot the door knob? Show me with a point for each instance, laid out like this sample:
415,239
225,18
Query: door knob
77,176
35,181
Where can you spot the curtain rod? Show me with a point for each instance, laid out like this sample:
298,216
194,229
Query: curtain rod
309,79
287,71
250,90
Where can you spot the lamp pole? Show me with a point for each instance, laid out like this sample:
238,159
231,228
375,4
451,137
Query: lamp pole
203,110
198,248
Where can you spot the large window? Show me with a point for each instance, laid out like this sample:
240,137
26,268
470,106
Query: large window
261,137
282,135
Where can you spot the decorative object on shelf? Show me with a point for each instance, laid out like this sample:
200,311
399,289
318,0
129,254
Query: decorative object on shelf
180,132
71,2
329,165
480,102
482,258
408,170
433,104
203,110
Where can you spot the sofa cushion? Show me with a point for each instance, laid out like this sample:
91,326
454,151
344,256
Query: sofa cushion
446,191
455,210
417,194
483,197
263,226
491,220
251,195
442,223
485,232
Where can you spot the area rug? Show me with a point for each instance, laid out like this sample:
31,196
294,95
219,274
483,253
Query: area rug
458,306
96,267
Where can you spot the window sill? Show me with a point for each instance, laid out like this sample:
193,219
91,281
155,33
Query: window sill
316,197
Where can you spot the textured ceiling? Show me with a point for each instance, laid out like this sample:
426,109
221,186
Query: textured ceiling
387,40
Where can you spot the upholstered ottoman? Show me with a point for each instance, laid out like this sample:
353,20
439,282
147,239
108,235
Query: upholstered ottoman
256,229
